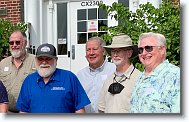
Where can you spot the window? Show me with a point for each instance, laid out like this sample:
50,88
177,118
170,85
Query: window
90,21
62,28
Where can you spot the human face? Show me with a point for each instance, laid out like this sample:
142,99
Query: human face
120,56
17,44
46,66
152,57
94,53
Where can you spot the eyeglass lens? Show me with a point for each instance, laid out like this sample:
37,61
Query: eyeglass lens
147,48
16,42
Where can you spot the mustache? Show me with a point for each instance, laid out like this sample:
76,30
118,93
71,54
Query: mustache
44,65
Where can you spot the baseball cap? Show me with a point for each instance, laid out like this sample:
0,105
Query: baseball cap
46,50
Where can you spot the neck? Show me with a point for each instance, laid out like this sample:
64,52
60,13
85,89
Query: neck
122,68
95,66
46,79
150,69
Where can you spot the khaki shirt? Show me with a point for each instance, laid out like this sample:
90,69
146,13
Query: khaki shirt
118,103
12,77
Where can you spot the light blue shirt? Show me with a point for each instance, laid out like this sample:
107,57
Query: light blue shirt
92,81
159,92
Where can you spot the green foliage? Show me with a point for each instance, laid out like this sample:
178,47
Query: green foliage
6,28
164,20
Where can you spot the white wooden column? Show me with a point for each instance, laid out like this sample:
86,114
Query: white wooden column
50,28
31,15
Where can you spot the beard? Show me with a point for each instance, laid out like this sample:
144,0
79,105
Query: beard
46,72
16,53
117,62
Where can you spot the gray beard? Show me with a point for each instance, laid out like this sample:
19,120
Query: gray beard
46,72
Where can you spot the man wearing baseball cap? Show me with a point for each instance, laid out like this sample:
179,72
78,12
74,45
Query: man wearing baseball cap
49,89
116,91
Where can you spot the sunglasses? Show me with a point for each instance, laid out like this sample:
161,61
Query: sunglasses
147,48
16,42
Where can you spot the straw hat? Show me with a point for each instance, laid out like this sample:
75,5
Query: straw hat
121,41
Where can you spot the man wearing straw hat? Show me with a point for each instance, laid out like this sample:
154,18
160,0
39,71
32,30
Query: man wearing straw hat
116,91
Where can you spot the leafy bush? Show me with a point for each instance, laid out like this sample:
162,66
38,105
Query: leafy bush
164,20
6,28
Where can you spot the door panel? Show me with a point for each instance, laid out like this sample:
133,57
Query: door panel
85,19
76,22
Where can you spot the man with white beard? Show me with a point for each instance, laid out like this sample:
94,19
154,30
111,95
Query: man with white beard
16,67
117,89
49,89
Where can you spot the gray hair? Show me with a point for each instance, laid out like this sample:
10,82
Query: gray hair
160,38
22,33
100,40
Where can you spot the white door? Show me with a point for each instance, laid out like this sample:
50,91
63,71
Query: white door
75,24
85,19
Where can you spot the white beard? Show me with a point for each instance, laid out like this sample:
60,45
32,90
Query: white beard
46,72
16,53
117,62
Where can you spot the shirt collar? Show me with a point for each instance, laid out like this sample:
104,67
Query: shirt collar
127,73
55,77
158,69
99,69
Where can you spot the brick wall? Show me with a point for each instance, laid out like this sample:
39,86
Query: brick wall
13,10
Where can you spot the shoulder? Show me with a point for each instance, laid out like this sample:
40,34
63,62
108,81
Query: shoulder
170,69
30,56
64,72
32,76
137,71
83,71
6,59
110,66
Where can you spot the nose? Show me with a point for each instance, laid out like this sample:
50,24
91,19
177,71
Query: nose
91,51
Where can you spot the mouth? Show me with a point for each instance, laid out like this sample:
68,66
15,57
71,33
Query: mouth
92,58
146,57
44,67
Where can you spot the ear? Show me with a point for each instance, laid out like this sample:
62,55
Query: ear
25,43
162,50
129,53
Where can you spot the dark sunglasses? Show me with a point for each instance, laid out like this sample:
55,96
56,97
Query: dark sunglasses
16,42
147,48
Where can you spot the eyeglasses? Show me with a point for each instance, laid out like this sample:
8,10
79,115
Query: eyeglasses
147,48
118,51
44,59
16,42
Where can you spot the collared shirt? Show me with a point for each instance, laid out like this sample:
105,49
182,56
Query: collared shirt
92,81
118,103
3,94
62,94
12,77
159,92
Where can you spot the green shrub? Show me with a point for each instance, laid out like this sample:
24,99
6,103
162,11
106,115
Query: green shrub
6,28
164,20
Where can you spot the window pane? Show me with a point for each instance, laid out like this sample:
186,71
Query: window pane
101,24
81,26
124,2
89,35
62,28
102,14
92,14
82,38
81,14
